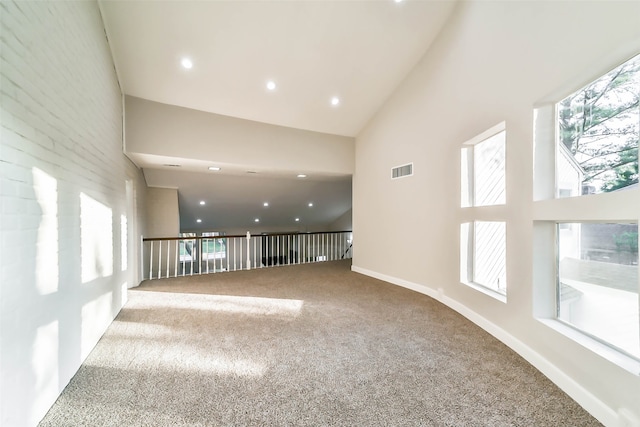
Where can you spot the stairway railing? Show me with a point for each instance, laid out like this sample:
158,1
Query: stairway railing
183,256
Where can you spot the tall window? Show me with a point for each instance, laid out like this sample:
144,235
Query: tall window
591,220
598,129
597,285
483,243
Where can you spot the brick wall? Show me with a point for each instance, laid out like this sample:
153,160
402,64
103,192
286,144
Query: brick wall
63,200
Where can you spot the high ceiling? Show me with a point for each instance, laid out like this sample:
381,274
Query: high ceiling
358,51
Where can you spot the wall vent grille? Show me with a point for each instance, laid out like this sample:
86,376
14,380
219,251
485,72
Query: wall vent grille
402,171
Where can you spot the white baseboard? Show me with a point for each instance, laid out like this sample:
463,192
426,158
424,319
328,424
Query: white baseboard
586,399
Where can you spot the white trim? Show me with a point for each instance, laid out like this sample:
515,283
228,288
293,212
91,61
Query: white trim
608,62
605,351
582,396
485,290
492,131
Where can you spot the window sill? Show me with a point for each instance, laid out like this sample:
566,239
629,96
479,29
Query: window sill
612,355
490,292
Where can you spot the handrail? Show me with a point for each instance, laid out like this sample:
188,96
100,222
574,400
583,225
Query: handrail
179,256
230,236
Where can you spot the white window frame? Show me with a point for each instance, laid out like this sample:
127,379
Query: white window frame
549,211
468,261
473,214
467,165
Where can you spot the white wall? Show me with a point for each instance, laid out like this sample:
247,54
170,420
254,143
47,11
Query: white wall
343,223
163,214
65,203
160,129
492,63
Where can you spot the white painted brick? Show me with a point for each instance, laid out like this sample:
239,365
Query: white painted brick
10,222
16,172
8,188
60,113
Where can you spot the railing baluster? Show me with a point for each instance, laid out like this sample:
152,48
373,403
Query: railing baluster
235,254
200,257
159,259
151,260
240,254
168,256
208,253
192,249
183,257
248,251
175,271
332,249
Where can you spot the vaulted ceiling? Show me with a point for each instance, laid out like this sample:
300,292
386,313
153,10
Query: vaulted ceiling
313,51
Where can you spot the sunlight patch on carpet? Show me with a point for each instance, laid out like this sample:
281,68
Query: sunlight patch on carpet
253,306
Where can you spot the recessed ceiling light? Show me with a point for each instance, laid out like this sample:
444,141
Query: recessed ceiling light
271,85
186,63
214,168
257,220
202,202
398,1
198,220
302,175
310,205
297,219
265,204
335,101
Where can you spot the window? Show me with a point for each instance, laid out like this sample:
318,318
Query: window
586,248
187,244
483,256
597,290
483,169
483,243
213,248
598,130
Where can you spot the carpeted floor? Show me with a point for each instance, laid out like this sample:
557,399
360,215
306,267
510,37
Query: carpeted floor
310,345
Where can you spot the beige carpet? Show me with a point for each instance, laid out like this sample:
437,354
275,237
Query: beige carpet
310,345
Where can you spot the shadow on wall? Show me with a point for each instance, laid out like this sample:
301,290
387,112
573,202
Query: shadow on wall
59,307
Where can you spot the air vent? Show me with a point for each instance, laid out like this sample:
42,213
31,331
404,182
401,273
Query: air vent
172,166
402,171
